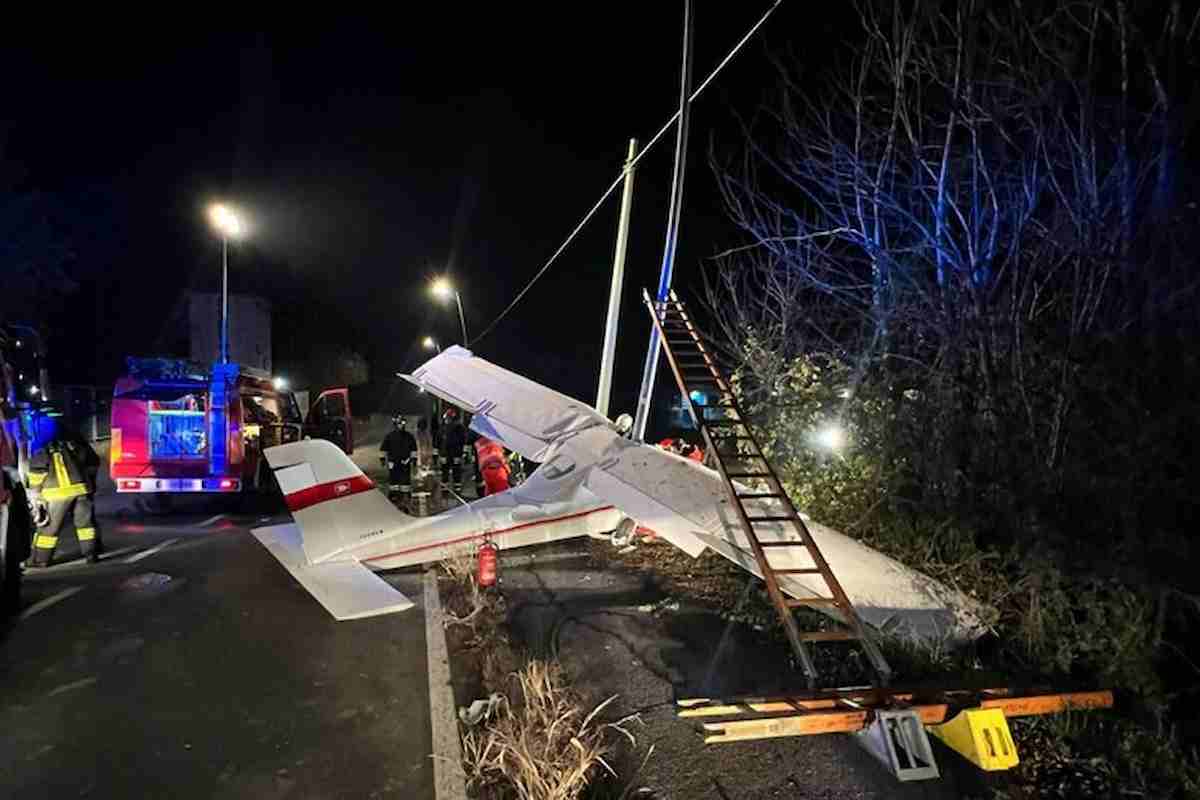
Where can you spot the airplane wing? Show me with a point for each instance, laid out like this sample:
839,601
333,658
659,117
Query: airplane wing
524,416
346,589
684,502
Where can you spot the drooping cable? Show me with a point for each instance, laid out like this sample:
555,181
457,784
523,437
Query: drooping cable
621,177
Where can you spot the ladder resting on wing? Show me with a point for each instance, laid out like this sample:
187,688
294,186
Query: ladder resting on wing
738,457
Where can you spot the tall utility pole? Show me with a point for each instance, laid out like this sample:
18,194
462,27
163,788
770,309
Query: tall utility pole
668,263
614,293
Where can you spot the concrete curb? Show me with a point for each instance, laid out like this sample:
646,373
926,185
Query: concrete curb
449,782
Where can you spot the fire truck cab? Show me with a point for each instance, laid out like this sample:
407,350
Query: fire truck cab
181,426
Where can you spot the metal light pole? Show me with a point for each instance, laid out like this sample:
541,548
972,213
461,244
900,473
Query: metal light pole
668,263
443,289
226,221
607,360
462,320
224,299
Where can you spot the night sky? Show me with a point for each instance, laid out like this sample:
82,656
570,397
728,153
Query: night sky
370,159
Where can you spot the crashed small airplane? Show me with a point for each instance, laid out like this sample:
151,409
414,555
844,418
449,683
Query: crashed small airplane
592,480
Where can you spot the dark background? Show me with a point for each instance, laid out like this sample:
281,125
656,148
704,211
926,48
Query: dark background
369,159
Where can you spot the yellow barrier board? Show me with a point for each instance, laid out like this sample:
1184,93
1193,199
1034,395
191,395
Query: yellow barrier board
981,736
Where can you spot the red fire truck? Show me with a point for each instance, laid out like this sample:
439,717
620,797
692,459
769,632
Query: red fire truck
180,426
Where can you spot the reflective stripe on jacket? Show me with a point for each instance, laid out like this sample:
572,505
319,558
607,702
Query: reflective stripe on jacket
59,470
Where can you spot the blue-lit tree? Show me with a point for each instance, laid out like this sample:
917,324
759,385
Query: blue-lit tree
984,197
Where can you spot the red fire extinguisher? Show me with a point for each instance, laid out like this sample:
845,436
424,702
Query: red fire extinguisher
487,570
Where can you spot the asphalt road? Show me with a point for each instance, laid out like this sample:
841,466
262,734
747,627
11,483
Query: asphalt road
203,670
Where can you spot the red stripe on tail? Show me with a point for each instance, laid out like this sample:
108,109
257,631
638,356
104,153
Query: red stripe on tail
333,490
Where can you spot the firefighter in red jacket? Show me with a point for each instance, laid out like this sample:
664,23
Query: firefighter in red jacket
489,455
62,481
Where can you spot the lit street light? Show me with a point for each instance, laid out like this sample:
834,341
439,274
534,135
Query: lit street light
226,221
832,437
280,383
443,290
429,343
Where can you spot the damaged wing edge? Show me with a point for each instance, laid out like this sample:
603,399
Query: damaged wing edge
347,589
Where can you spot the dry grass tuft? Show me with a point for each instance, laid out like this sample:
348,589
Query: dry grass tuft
465,602
540,744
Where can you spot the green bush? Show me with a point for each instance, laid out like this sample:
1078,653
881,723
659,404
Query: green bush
1052,624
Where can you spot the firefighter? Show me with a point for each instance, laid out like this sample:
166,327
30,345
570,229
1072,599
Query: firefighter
396,454
62,481
489,455
454,439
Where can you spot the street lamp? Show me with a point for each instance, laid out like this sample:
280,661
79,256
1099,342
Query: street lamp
429,343
443,290
226,221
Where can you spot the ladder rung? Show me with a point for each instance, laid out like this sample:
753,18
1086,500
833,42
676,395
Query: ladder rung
828,636
749,475
792,602
723,423
760,496
772,519
782,544
798,571
735,437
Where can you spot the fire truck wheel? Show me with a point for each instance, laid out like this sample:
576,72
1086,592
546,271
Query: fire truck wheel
16,536
10,567
10,584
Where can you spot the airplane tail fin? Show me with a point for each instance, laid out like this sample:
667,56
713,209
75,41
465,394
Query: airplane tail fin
334,506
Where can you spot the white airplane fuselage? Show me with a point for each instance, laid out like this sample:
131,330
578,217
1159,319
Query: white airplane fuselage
503,520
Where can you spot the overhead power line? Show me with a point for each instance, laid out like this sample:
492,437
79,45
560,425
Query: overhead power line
620,177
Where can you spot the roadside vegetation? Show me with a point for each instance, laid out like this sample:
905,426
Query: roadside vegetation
973,256
535,736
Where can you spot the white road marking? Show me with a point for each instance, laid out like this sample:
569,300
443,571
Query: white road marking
118,552
46,602
79,684
135,558
79,561
211,520
449,782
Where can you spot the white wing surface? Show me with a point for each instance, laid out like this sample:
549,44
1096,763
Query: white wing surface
346,589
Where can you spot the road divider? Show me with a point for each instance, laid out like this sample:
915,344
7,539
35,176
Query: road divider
449,781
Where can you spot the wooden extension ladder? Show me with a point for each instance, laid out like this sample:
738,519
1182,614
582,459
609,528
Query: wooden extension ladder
722,424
